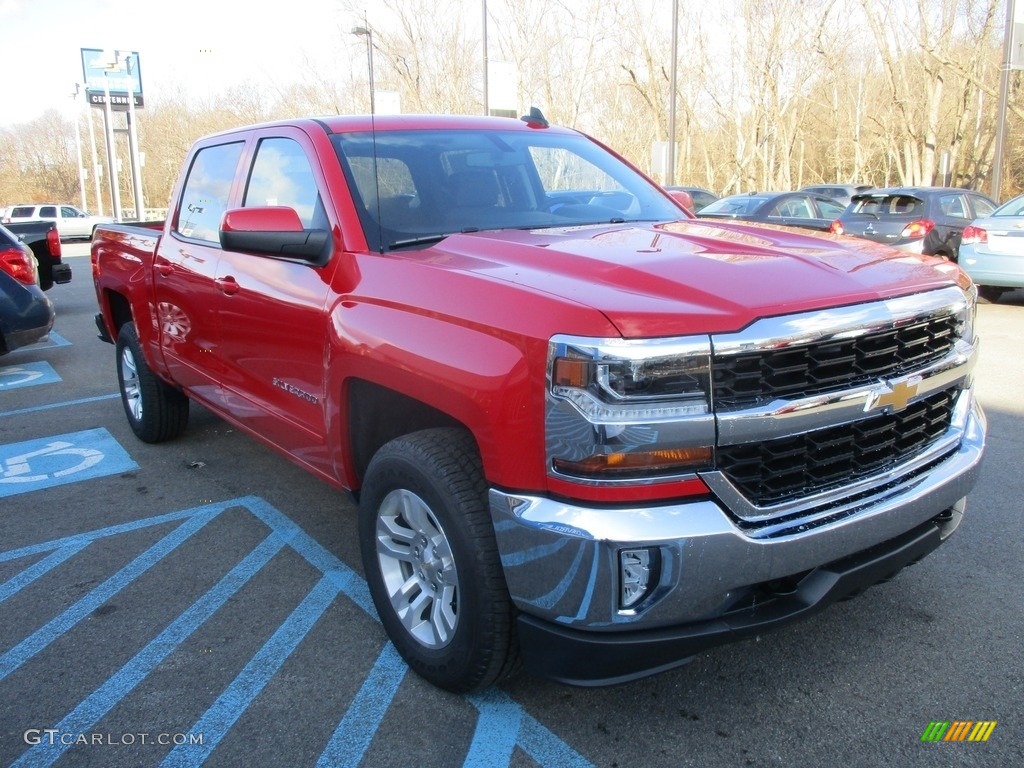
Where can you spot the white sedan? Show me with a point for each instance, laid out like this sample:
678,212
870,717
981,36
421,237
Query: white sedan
992,251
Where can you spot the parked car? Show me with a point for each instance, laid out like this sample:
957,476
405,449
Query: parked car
793,209
992,250
701,197
43,240
72,223
26,315
841,193
927,220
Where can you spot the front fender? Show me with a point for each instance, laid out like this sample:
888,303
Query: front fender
486,381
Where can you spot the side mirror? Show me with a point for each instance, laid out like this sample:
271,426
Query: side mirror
273,231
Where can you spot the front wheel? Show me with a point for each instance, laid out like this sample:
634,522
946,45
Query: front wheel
155,410
431,560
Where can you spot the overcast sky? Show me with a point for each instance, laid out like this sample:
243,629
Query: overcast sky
203,45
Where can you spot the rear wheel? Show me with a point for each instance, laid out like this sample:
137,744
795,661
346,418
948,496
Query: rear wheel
431,560
155,410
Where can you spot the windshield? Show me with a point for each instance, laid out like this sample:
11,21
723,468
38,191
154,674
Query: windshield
415,187
1014,207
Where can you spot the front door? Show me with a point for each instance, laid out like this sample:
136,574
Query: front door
273,325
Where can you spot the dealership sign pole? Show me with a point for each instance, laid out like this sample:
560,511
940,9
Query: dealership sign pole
115,85
131,60
113,177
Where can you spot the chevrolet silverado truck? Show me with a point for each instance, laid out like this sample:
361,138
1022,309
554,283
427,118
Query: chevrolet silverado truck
588,434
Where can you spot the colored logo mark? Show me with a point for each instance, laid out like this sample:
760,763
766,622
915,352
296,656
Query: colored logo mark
958,730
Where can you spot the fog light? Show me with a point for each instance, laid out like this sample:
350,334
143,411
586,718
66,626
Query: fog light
636,568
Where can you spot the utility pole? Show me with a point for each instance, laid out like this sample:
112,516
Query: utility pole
78,148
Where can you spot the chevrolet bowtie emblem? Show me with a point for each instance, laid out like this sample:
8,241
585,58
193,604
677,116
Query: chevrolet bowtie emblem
896,399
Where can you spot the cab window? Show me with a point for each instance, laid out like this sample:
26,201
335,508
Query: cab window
207,188
281,175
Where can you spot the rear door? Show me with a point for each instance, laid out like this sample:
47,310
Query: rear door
273,325
185,268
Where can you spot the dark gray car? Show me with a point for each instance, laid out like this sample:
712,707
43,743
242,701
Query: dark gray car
791,209
839,192
928,220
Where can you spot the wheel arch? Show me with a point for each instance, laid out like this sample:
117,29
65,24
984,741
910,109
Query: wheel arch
376,415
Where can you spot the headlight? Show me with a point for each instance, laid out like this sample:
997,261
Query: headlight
628,409
970,313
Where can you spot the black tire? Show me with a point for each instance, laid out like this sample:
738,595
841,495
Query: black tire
990,293
156,411
426,537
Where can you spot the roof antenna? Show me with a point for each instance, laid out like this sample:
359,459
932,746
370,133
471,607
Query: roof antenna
535,119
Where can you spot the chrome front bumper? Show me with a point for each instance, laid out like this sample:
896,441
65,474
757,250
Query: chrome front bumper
561,560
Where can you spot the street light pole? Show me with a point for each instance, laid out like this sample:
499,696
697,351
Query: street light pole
1004,89
78,148
487,101
670,177
365,30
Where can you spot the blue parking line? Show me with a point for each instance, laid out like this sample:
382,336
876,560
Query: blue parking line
42,637
63,404
502,725
355,732
53,339
351,584
44,566
102,533
547,749
497,730
219,718
103,699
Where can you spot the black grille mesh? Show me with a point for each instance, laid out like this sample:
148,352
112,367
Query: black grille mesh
779,470
747,379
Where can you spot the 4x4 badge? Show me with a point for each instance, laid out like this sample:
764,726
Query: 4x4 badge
896,398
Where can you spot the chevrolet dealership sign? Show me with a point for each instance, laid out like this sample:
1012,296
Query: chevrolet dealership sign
114,72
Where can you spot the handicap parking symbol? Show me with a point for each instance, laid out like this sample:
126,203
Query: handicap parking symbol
27,375
51,461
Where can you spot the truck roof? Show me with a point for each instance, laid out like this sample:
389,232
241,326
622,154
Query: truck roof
346,123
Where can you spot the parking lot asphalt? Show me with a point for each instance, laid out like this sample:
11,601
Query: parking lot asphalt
201,602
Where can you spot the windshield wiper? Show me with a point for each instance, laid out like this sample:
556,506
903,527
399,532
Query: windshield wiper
423,240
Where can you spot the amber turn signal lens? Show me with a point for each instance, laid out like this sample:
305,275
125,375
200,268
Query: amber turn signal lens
657,462
571,373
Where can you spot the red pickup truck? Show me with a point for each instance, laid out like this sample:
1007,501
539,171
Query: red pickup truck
588,434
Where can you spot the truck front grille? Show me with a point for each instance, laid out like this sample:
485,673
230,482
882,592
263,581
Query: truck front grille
749,378
776,471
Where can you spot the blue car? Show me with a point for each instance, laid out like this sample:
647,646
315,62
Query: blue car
26,315
992,252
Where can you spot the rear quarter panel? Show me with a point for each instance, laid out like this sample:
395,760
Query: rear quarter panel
122,262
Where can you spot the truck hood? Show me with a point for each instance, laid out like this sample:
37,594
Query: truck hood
669,279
